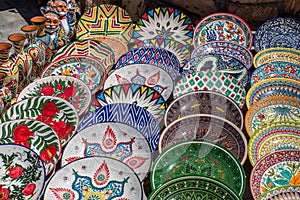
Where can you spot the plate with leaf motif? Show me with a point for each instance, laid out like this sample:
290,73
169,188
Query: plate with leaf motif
289,192
111,139
36,135
60,115
94,178
23,173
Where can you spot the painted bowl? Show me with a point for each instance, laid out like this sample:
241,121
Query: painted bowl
289,192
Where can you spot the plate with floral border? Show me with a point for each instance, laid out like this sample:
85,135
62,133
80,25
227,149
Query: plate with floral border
59,114
198,157
23,172
223,27
276,169
36,135
111,139
289,192
205,127
102,177
68,88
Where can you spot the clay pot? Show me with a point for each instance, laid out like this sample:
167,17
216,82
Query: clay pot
4,51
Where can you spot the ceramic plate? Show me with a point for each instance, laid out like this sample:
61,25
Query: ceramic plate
54,111
22,173
129,114
222,27
277,32
204,102
144,74
207,127
200,158
276,54
167,28
194,187
90,71
272,87
289,192
68,88
270,110
213,81
140,95
114,140
279,69
154,56
94,178
105,20
36,135
275,170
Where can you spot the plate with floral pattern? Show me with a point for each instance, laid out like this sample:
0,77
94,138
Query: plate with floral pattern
53,111
38,136
23,173
289,192
276,169
94,178
223,27
111,139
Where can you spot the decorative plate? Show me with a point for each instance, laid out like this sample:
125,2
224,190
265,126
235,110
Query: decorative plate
276,54
86,68
33,134
105,20
213,81
129,114
200,158
272,87
277,69
154,56
277,169
167,28
289,192
53,111
222,27
143,74
194,187
277,32
140,95
207,127
270,110
87,47
114,140
94,178
23,174
204,102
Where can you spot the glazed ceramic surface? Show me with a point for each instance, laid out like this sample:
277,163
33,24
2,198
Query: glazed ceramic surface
140,95
274,170
289,192
222,27
92,72
36,135
94,178
111,139
154,56
105,20
144,74
194,187
60,115
272,87
129,114
207,127
200,158
279,69
278,32
22,173
271,110
68,88
167,28
213,81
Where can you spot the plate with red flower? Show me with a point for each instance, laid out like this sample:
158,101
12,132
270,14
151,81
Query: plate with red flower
36,135
23,173
68,88
53,111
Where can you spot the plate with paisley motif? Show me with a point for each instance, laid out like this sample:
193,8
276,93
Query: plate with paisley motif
289,192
